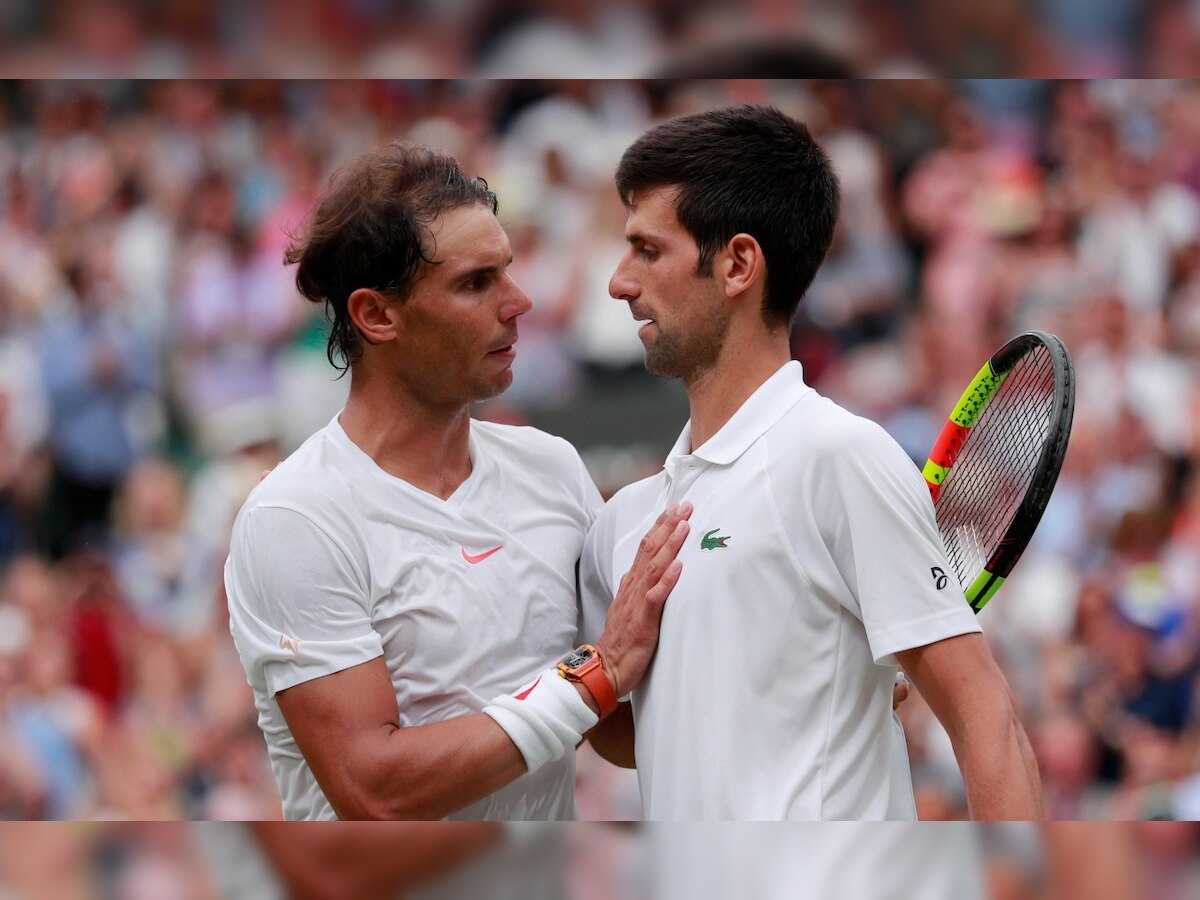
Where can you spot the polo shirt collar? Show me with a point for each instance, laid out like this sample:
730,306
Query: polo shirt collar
754,418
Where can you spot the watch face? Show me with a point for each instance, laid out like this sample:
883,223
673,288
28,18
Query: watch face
577,657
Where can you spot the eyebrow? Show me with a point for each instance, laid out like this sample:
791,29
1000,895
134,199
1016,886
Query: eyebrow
468,274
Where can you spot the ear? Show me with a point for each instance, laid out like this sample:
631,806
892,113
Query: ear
741,265
370,312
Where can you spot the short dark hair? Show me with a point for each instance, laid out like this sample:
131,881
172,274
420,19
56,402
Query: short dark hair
744,169
370,229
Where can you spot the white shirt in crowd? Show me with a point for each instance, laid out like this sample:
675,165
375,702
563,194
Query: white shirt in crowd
813,557
334,562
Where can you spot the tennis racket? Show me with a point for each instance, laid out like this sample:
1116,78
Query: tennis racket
993,467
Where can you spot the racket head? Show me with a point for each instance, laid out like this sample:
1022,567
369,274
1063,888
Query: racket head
994,466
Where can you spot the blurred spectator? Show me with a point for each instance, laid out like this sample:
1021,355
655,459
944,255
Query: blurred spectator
150,548
552,38
96,366
155,359
236,309
859,289
58,725
1134,240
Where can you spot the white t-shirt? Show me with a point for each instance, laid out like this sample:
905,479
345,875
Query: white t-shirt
809,564
817,861
333,562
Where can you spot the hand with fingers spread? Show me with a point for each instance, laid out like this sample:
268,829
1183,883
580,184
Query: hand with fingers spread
631,629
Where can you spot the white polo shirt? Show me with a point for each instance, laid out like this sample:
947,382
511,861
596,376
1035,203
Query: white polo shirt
808,565
333,562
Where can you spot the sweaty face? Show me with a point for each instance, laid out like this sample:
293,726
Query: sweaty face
685,320
458,327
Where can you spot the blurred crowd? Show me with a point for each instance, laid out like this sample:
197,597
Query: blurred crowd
590,39
155,359
586,39
1013,861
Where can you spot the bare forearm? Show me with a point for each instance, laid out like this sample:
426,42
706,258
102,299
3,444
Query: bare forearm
428,771
959,679
370,767
1000,771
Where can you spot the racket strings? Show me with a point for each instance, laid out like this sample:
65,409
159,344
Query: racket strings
996,466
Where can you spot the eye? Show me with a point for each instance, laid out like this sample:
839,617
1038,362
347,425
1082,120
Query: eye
649,253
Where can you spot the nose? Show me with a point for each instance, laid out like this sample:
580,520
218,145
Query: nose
515,304
621,286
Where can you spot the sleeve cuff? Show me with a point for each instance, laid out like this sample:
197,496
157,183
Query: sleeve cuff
299,661
920,632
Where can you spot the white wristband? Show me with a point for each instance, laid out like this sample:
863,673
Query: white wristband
549,719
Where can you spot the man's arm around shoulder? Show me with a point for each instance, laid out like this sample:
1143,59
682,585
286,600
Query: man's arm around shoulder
963,685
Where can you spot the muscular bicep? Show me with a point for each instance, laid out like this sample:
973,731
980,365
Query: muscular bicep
337,721
960,680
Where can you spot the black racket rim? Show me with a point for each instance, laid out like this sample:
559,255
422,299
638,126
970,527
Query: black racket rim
956,436
1054,451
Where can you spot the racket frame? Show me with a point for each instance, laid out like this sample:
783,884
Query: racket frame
957,432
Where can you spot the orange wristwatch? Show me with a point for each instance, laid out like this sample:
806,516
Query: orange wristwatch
583,664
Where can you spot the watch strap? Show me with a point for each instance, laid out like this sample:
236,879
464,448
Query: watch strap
601,689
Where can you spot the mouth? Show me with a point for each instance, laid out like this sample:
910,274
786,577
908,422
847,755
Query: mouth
508,349
648,324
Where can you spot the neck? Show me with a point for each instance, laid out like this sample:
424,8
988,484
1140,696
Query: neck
715,394
427,446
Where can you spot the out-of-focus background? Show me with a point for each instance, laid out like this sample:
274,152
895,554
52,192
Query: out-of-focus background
1013,861
155,358
588,38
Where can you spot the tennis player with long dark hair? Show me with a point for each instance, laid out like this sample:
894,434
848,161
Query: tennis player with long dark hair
401,586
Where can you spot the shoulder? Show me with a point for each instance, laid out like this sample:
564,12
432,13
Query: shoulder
528,446
820,431
636,493
631,502
314,482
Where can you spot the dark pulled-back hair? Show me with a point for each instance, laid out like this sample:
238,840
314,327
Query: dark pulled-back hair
744,169
370,229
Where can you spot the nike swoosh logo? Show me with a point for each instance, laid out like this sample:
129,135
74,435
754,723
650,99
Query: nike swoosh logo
526,693
481,557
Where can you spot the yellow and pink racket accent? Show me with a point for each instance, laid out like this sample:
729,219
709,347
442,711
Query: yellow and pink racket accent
954,433
994,464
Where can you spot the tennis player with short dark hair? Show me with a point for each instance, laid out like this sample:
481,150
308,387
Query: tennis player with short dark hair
396,585
811,570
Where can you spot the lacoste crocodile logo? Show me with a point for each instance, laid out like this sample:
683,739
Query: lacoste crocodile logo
708,542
